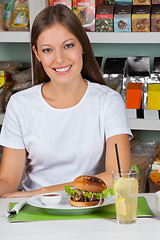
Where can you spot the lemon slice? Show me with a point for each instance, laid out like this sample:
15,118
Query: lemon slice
121,206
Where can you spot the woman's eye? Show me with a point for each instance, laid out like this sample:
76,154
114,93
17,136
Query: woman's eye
47,50
70,45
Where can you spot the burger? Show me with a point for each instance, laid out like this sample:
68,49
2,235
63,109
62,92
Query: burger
87,191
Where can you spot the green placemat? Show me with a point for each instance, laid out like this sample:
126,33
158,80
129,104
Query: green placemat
30,213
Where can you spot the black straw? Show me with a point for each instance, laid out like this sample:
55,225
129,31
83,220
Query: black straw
119,169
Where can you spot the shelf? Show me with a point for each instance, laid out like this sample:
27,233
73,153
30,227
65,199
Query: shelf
144,124
15,37
125,37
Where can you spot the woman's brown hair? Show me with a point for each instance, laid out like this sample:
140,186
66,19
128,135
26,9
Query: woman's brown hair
63,15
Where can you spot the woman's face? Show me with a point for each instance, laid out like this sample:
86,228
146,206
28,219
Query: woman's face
60,53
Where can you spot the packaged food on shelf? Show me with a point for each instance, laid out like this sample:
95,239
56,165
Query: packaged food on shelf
104,18
122,19
155,18
1,15
123,2
19,86
141,2
143,155
8,8
85,10
13,67
20,16
113,72
23,76
2,90
109,2
154,177
18,76
141,18
155,1
68,3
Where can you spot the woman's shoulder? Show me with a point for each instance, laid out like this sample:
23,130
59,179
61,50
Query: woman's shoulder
102,90
28,93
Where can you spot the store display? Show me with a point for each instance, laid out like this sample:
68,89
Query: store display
134,95
155,1
20,16
68,3
141,2
8,13
85,11
114,71
110,2
123,2
139,66
141,18
156,65
153,96
104,18
155,18
122,19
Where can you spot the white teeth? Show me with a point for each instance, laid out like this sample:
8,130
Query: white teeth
62,69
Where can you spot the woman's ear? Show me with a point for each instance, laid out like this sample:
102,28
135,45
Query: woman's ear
36,53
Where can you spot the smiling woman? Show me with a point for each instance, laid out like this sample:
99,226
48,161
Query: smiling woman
68,123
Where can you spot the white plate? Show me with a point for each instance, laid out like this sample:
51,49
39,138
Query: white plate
64,208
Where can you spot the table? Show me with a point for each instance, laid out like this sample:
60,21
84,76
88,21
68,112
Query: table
99,229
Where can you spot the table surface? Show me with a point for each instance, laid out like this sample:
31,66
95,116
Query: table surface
144,228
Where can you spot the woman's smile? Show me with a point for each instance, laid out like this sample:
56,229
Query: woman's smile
62,70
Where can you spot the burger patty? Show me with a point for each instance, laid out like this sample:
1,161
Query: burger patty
82,198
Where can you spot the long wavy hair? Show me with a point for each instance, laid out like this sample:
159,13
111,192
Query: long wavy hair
63,15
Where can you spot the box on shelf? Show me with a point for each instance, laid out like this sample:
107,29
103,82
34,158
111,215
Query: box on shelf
155,1
104,18
156,65
67,3
85,10
123,2
155,18
114,70
139,66
141,18
141,2
99,2
134,95
122,19
153,96
109,2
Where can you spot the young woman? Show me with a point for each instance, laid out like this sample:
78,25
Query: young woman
68,123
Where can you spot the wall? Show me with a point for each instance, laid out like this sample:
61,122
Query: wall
15,52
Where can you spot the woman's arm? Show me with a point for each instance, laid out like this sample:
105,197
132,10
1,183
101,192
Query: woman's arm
123,145
11,169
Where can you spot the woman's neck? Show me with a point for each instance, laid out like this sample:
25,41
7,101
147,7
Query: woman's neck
64,96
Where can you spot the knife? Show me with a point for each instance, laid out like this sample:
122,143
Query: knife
15,209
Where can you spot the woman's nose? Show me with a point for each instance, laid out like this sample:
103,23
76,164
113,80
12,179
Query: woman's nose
59,56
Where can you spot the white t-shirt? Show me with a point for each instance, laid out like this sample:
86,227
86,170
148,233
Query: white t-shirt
63,143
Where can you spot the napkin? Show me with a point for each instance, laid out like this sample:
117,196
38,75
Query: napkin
30,213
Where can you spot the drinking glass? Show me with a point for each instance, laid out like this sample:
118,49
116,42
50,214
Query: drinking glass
126,192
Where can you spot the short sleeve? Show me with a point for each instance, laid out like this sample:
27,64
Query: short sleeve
11,134
115,116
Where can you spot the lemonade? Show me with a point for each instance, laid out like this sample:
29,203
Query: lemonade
126,191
